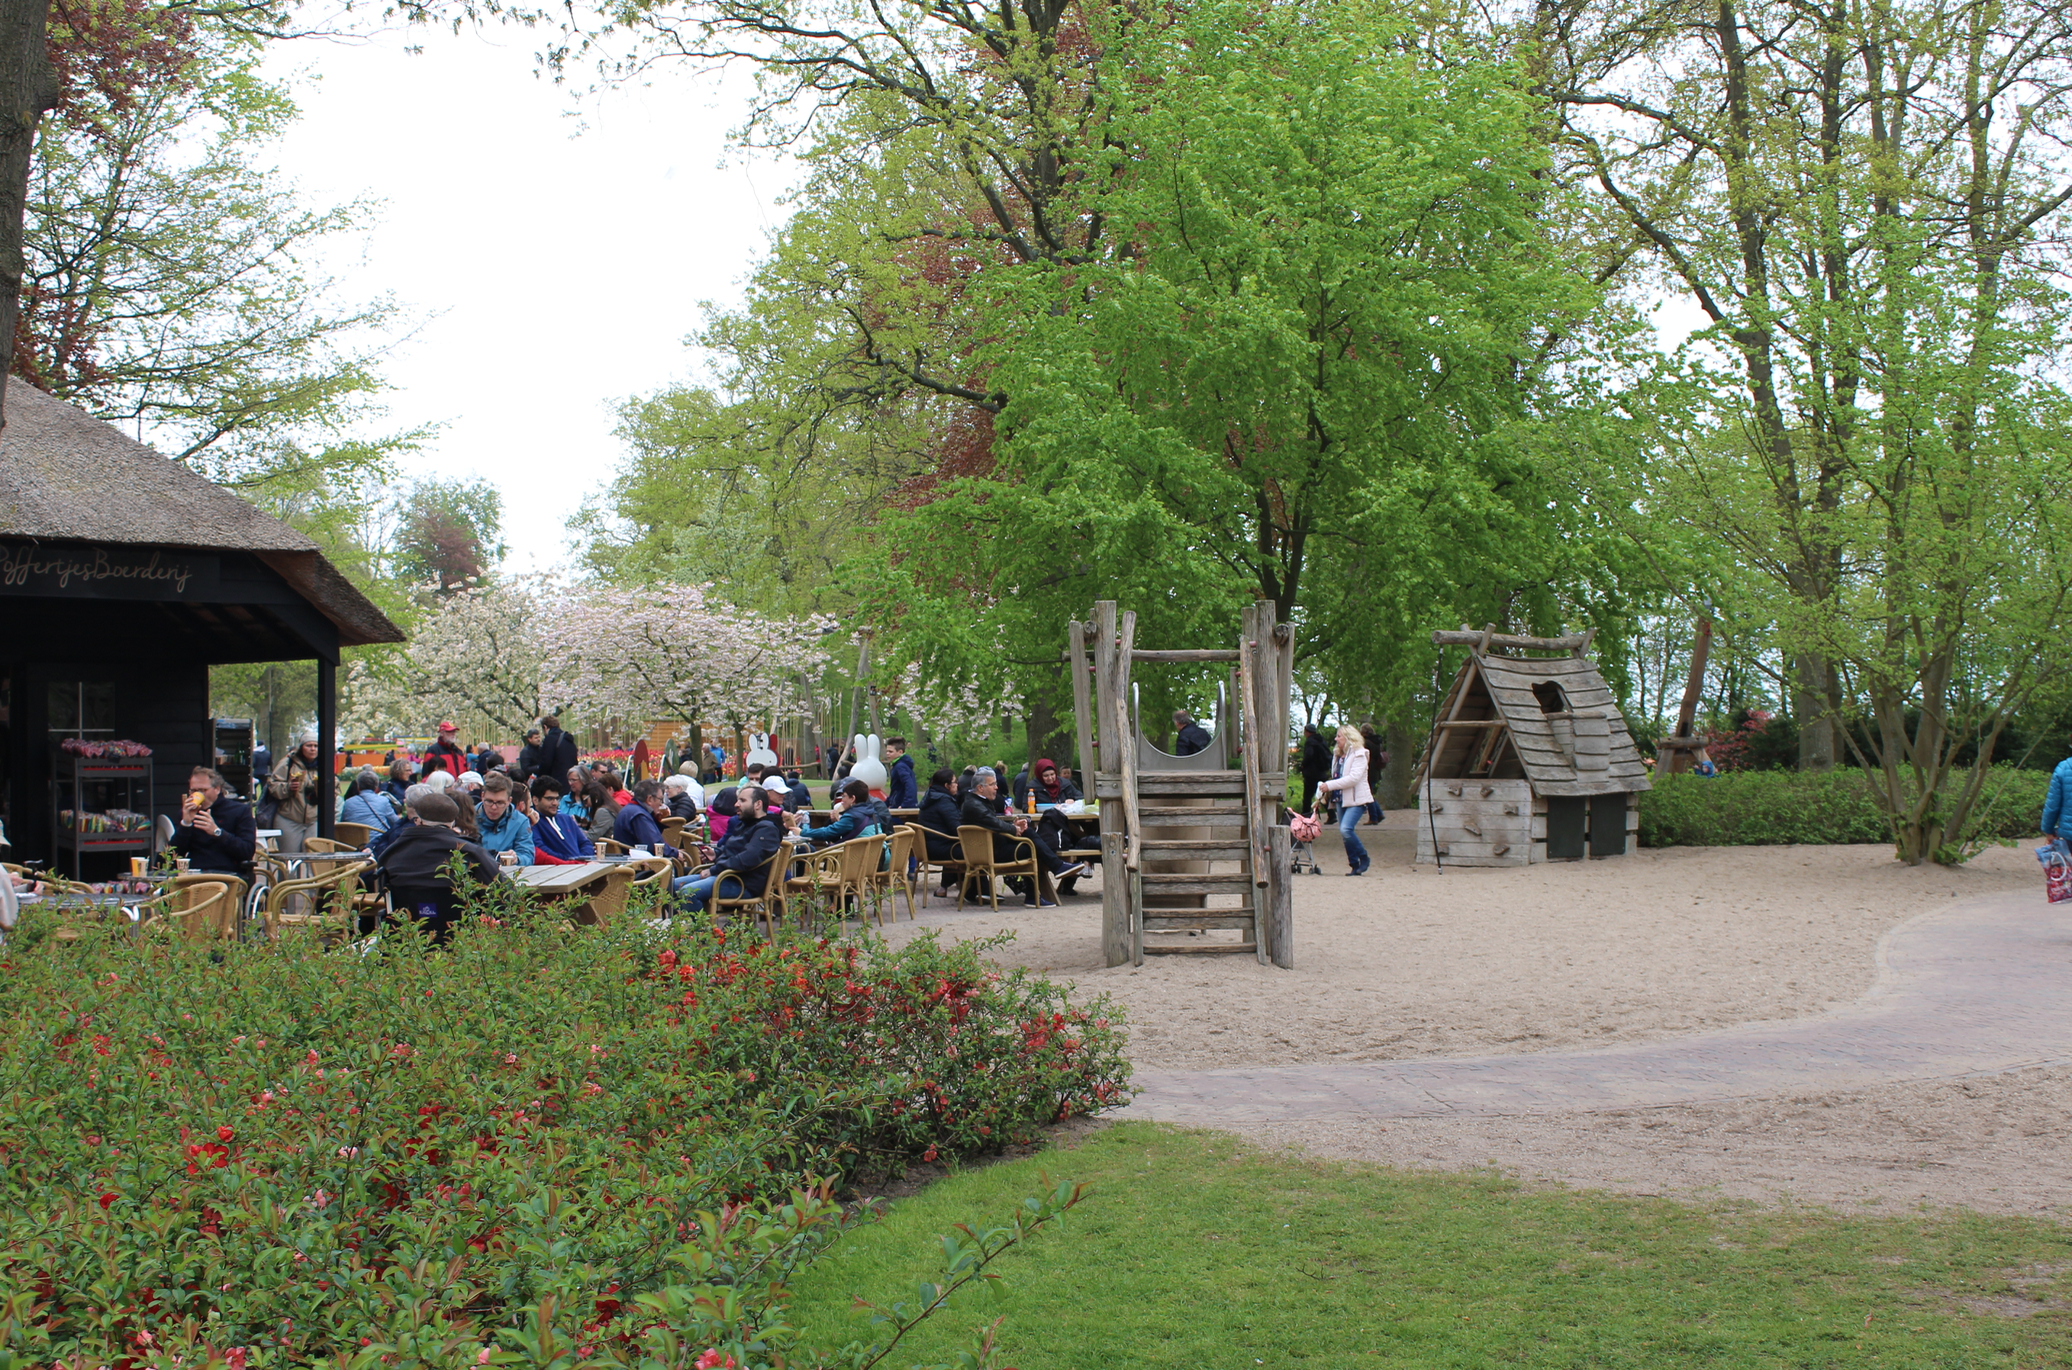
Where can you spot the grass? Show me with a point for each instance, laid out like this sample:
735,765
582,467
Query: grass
1191,1250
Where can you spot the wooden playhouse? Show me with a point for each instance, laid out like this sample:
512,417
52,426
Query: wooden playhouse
1529,758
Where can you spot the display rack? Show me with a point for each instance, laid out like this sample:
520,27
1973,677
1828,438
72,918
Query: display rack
81,779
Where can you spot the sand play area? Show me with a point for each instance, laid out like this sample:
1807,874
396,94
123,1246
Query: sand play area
1406,963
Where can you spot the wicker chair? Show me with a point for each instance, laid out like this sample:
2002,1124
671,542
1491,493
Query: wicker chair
329,844
977,846
894,876
353,836
944,867
610,900
768,907
819,877
672,830
204,910
323,902
607,847
241,892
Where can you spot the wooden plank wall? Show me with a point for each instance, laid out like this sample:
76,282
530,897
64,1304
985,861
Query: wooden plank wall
1480,823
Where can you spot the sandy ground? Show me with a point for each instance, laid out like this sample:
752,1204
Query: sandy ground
1997,1144
1405,961
1408,962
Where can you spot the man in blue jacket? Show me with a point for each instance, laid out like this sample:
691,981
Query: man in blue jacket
753,837
639,823
901,791
503,827
557,839
2057,805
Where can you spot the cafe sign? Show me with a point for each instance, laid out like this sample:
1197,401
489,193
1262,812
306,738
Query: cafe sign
84,570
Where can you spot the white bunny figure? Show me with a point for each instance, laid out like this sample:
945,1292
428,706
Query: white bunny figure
868,768
759,753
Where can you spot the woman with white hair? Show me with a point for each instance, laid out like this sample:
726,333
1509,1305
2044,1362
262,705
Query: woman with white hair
293,789
1349,782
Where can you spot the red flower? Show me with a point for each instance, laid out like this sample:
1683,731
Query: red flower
224,1134
108,1199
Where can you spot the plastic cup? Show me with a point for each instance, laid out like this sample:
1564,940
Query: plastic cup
181,862
140,866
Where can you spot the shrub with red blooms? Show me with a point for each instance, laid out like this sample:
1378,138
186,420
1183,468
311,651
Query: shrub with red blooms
538,1146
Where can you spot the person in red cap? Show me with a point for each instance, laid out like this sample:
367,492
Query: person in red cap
445,754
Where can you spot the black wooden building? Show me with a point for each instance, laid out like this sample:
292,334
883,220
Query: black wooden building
124,576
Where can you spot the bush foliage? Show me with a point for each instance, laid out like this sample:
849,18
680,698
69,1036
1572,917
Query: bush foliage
537,1146
1764,808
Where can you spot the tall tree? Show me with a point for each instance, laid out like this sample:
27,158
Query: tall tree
450,532
1868,204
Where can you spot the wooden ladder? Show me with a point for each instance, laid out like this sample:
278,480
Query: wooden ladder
1228,819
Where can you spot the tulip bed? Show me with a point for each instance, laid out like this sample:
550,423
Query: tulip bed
540,1145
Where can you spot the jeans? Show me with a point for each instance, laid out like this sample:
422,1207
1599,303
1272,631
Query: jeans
700,888
1355,850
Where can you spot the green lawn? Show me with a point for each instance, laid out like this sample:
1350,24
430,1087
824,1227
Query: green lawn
1191,1251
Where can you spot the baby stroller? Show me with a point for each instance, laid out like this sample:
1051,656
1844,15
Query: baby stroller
1303,829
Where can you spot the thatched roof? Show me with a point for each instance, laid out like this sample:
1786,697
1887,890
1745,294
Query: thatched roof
68,476
1573,742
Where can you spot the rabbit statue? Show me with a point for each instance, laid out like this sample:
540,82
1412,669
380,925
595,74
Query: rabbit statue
759,753
869,768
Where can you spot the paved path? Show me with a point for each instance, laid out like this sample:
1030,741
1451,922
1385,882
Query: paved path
1979,988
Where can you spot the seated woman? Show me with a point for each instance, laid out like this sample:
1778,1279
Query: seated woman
603,811
1048,788
855,816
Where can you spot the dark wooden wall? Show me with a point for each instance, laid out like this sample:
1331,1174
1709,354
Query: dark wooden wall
162,704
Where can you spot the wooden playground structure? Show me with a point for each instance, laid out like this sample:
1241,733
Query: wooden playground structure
1529,758
1180,831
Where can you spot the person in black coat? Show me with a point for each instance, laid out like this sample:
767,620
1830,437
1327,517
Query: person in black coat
557,748
977,811
413,865
1192,737
216,832
940,815
1316,764
639,824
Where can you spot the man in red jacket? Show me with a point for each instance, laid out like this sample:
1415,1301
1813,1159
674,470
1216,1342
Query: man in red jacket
451,758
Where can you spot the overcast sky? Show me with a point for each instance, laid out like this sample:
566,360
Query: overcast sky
556,263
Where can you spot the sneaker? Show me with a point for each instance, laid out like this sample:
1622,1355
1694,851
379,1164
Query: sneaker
1076,869
1031,903
1048,904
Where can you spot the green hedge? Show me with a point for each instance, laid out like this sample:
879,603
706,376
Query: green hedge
1782,808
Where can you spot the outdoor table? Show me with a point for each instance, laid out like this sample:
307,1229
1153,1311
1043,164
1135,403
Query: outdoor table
558,880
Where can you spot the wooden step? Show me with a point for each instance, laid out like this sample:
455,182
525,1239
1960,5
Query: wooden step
1187,882
1157,920
1201,948
1194,849
1211,784
1167,816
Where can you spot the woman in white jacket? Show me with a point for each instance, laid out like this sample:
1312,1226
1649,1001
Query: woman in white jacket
1349,781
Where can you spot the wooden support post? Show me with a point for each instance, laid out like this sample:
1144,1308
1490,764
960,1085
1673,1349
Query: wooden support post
1082,714
1118,721
1136,896
1281,932
1253,740
1116,945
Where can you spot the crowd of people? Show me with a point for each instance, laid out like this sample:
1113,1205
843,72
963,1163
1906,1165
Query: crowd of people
547,807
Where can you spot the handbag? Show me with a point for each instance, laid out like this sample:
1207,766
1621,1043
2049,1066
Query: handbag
2057,871
1304,827
266,813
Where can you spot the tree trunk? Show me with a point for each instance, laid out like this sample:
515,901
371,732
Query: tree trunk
1395,778
28,87
1809,705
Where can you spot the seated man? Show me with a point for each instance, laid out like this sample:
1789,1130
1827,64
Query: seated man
503,827
414,866
216,832
978,812
737,871
639,823
557,839
855,815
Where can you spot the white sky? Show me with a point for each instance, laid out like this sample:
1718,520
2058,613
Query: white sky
556,263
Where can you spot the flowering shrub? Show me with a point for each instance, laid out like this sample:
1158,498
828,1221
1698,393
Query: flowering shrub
538,1146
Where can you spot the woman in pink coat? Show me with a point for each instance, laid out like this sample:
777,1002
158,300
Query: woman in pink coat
1349,782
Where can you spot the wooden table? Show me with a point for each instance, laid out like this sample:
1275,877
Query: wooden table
559,880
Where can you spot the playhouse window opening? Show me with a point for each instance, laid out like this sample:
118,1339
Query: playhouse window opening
1550,698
